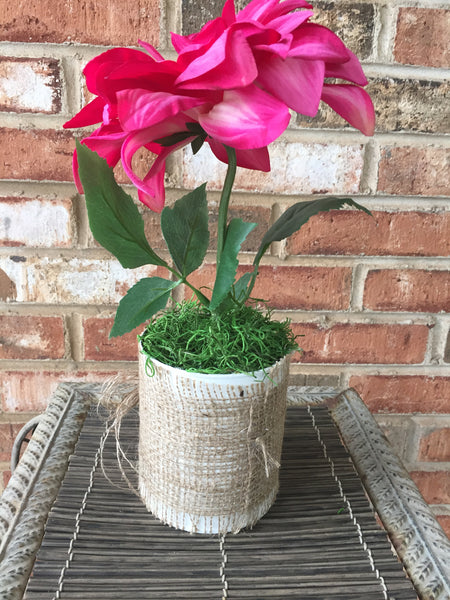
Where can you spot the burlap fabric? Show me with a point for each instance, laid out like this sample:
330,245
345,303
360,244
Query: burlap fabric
210,445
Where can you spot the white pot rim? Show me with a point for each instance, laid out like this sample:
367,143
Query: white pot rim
224,378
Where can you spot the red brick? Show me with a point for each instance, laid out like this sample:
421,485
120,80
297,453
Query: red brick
407,290
142,162
403,393
249,214
30,391
353,22
362,343
447,349
8,289
296,168
115,22
444,521
65,280
435,446
36,154
19,218
304,288
295,288
8,433
433,485
152,229
98,346
414,171
6,478
352,232
423,37
30,85
29,337
420,108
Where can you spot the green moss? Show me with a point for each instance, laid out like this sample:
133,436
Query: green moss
241,340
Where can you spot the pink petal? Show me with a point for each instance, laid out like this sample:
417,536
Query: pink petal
318,43
294,81
256,10
75,172
89,115
229,13
265,10
280,48
163,129
101,66
151,188
139,109
151,50
288,23
256,158
149,75
287,6
226,64
154,182
107,142
180,42
353,104
350,70
191,46
246,118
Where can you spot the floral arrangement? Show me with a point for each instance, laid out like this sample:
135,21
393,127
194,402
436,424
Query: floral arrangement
232,87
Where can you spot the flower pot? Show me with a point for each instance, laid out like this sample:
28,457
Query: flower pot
210,445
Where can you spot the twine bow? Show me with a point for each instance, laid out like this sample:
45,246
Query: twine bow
269,461
259,444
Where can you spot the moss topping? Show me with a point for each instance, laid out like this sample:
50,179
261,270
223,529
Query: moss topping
241,340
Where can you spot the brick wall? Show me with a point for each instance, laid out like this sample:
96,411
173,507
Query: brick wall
370,296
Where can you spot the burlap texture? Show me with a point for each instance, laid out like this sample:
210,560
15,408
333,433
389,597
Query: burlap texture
210,446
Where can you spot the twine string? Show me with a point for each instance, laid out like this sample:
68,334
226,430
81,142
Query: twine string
269,461
119,395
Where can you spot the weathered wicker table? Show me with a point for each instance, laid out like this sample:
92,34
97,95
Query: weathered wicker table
82,535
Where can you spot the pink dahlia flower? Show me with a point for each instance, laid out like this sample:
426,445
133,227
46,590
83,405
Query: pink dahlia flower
268,46
232,85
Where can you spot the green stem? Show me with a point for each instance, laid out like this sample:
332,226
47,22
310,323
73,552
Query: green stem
256,262
225,200
201,297
252,283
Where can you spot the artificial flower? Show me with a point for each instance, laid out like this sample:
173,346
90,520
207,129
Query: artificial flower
232,85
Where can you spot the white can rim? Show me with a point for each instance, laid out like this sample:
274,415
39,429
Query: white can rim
219,378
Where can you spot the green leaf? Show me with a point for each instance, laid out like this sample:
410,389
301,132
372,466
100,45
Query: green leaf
185,229
175,138
141,302
240,287
197,129
114,219
237,231
237,294
197,144
299,214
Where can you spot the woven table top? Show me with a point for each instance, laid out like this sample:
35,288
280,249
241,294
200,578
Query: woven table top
320,539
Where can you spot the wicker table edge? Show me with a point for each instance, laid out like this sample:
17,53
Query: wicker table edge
34,485
416,535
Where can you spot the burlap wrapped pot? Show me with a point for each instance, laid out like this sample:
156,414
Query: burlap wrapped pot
210,445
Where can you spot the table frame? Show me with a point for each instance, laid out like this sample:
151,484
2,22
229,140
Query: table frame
417,537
